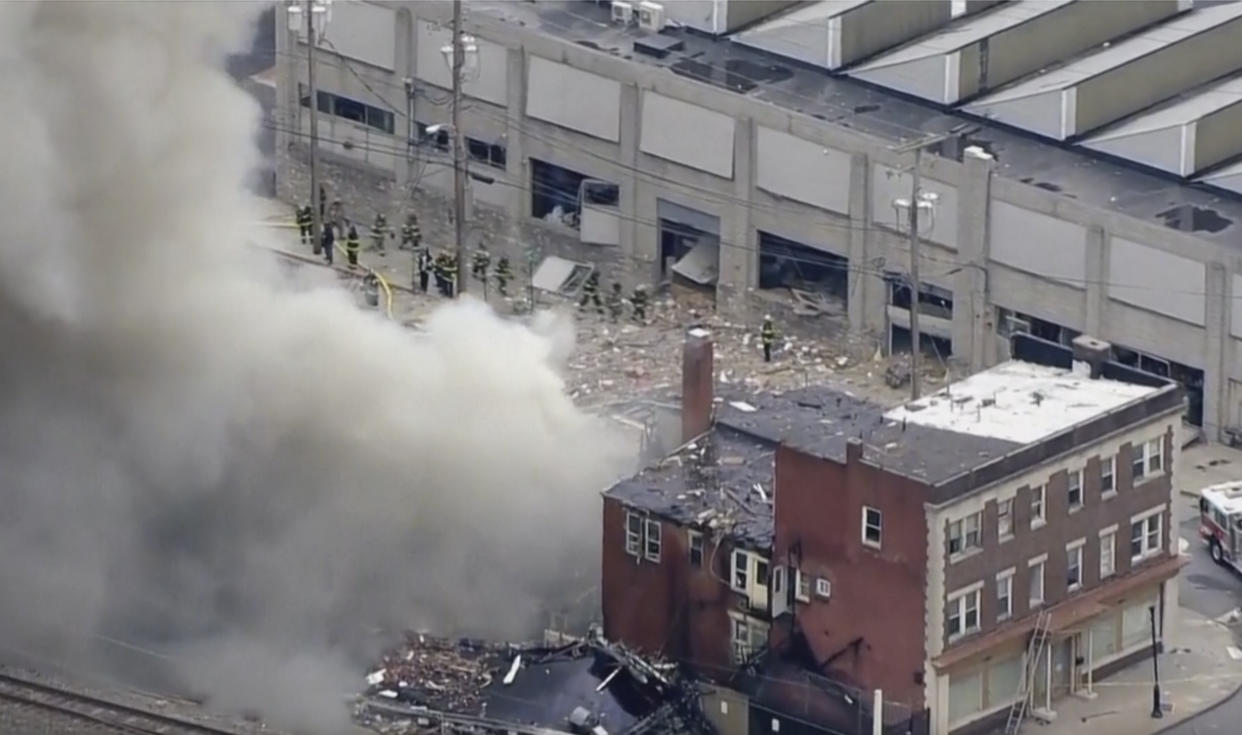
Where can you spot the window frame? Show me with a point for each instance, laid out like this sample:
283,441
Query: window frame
1147,460
648,524
1004,581
957,607
823,588
960,527
1145,521
802,587
1109,462
867,526
1039,499
1072,478
1005,534
1042,563
735,568
1108,540
1074,558
634,537
695,543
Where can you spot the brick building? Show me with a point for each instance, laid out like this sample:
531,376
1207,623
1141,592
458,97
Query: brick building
912,550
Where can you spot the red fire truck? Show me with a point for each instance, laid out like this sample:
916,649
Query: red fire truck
1220,523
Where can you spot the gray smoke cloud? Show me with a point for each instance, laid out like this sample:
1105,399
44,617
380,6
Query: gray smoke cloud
196,453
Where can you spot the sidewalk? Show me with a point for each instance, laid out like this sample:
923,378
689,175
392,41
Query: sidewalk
1196,673
1206,464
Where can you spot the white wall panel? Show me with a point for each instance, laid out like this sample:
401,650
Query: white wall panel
687,134
1038,243
889,184
803,171
361,31
1153,279
1235,307
574,99
492,81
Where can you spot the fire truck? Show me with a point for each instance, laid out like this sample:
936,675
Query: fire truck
1220,523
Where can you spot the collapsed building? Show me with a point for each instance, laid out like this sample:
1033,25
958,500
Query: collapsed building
588,686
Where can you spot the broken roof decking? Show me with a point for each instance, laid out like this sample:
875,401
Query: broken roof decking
974,54
833,33
1182,136
1091,91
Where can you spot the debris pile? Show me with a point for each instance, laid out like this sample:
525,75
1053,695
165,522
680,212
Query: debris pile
442,675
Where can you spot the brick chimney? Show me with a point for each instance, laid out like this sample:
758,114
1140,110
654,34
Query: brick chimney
1089,355
698,379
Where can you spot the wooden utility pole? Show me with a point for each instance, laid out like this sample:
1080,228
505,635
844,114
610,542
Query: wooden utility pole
316,215
459,153
916,353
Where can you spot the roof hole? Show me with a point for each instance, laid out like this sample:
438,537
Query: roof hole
1194,219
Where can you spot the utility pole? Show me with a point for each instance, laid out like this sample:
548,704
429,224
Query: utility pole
459,151
316,215
917,198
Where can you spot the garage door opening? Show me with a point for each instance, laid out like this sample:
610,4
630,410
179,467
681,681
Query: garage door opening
819,275
1009,322
935,318
554,193
1190,378
689,245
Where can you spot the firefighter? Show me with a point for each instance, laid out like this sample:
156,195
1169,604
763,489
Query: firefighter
440,269
503,275
305,219
616,302
424,268
352,245
370,289
479,265
639,303
323,200
590,294
379,231
768,336
328,243
450,275
411,233
336,213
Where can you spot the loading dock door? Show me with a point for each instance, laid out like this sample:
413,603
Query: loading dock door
560,276
701,264
599,213
691,239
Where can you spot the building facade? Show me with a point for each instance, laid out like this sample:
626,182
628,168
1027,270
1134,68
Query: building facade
675,153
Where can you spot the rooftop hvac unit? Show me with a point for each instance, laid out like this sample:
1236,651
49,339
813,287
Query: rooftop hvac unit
651,16
622,12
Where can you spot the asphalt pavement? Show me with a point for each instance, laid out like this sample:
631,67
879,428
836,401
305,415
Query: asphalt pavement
1212,591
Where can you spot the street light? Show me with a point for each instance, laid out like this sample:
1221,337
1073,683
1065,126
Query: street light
470,51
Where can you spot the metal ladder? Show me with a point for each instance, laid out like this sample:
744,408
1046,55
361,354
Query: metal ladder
1034,652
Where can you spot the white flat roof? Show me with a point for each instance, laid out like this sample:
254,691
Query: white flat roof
1019,402
1228,495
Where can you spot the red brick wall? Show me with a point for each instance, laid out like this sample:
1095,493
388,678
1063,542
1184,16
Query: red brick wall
670,608
876,595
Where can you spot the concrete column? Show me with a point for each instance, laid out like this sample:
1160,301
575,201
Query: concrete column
1216,365
635,246
739,252
517,169
1096,269
866,288
972,309
288,110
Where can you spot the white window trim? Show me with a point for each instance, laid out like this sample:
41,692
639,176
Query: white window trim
1006,577
1042,520
959,598
1082,492
648,524
1071,548
966,551
691,537
879,528
1110,532
1157,512
733,566
636,548
1111,461
1013,504
1148,474
823,587
1042,562
802,577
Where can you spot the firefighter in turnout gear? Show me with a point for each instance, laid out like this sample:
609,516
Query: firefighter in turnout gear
352,245
411,233
450,275
328,243
768,336
305,218
504,274
639,303
590,294
424,268
379,231
479,265
370,289
438,269
616,302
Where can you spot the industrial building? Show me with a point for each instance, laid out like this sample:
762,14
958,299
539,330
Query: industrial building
1092,184
1001,543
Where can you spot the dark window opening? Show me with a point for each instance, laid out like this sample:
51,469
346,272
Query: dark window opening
1010,322
937,347
789,264
676,240
601,194
1190,378
349,109
933,300
554,192
483,152
325,99
381,119
439,141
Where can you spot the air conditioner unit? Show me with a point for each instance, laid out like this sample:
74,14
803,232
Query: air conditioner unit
651,16
622,12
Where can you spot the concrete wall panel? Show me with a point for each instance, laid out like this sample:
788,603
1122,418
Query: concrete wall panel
1215,137
1038,243
492,81
1045,299
874,27
803,171
363,32
687,134
575,99
1155,334
889,184
1153,279
1235,309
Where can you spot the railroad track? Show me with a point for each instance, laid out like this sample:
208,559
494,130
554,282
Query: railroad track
126,718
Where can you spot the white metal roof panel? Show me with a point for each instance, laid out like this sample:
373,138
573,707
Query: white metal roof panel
1006,105
801,33
1228,178
1168,136
1227,495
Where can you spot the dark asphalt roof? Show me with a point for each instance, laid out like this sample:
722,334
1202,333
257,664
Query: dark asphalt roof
1074,173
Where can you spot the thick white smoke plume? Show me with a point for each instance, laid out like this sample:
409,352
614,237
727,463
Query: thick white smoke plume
195,454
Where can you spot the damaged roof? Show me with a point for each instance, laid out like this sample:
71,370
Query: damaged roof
591,685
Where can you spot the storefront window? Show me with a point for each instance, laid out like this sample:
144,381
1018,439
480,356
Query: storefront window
965,696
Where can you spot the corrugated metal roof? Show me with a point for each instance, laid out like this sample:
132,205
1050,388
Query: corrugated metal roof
1047,104
1168,137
